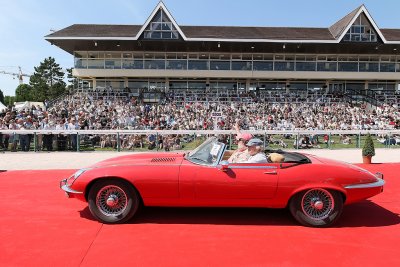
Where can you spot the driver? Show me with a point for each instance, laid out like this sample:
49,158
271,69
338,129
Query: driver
254,148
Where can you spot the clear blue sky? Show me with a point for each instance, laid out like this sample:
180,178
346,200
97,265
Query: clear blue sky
24,23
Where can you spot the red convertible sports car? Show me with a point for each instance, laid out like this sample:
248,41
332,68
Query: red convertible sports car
313,188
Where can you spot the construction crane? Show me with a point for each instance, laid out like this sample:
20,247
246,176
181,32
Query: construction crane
18,75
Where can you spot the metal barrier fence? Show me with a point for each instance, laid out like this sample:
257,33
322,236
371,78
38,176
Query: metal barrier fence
290,139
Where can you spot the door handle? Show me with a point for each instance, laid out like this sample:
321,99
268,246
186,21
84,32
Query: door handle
270,172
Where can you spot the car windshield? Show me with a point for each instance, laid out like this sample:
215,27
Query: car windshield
207,153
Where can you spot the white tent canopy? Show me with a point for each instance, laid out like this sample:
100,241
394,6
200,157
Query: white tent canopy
27,105
2,107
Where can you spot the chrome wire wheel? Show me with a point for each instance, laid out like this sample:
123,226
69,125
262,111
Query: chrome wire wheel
111,200
317,204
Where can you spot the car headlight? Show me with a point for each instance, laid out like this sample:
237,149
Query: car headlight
79,172
75,176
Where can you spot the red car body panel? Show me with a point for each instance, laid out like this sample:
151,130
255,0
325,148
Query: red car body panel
159,180
169,179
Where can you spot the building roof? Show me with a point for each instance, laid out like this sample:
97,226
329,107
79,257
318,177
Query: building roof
332,34
338,28
391,34
219,32
216,32
271,33
97,30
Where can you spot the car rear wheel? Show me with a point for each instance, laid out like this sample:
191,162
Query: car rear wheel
113,201
317,207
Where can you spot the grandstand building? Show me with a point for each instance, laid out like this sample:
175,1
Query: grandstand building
353,57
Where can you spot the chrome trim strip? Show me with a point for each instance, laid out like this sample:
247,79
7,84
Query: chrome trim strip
252,167
66,188
379,183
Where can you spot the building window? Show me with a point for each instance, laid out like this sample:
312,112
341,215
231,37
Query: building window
161,27
361,31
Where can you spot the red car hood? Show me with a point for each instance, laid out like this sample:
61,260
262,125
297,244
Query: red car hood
142,159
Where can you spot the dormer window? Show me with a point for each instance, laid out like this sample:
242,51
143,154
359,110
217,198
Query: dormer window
161,27
361,31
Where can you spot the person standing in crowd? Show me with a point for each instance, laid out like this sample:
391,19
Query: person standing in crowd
47,137
29,126
23,137
151,139
177,142
14,139
38,126
160,142
72,126
4,138
35,138
61,138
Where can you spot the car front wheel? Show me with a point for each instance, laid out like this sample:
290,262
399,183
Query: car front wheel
113,201
317,207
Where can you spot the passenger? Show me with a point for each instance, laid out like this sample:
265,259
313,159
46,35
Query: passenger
254,147
240,154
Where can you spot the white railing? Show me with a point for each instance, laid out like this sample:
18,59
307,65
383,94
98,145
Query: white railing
75,136
206,132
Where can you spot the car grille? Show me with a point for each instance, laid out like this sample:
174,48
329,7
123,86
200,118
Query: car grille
163,160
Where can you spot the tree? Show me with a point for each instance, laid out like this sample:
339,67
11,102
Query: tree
23,93
9,100
73,82
1,97
39,87
368,148
47,81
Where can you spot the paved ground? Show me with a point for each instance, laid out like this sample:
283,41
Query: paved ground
39,226
76,160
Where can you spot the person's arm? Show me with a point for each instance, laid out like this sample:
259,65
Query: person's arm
237,128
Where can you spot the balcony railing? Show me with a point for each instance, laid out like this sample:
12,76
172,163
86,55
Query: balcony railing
238,65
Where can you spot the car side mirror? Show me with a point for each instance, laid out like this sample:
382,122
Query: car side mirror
223,166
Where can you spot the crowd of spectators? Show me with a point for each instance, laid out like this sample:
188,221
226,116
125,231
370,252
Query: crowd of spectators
82,111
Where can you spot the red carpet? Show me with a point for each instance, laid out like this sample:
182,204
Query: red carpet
40,227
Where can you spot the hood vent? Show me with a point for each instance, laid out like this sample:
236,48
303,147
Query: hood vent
163,159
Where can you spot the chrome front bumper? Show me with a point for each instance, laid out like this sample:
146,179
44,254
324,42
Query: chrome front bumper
68,190
378,183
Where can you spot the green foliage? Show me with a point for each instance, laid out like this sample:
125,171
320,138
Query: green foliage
73,82
23,93
47,81
368,148
9,100
1,97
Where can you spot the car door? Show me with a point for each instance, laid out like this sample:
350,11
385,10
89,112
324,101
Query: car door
237,181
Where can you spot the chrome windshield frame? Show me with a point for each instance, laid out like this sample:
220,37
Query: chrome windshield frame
218,157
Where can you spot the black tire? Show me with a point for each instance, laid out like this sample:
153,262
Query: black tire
113,201
316,207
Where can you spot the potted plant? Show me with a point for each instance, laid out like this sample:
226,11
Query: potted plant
368,150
